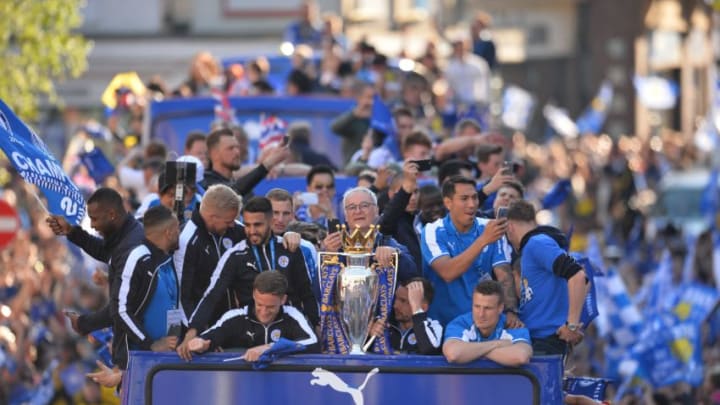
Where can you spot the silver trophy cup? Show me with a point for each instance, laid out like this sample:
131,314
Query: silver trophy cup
357,286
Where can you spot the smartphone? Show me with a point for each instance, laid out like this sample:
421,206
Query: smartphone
423,165
508,167
502,212
308,198
333,225
285,141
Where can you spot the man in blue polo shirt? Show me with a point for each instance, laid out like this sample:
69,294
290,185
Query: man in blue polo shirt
483,332
553,285
459,250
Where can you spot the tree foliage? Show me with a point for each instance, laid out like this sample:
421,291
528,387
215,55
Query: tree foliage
38,47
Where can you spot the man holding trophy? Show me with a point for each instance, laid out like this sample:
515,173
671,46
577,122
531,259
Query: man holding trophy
359,269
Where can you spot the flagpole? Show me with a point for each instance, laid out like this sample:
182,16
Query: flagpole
40,203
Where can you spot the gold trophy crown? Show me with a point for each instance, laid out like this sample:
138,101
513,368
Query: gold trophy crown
357,242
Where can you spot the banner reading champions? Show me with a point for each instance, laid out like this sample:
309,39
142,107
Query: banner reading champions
38,166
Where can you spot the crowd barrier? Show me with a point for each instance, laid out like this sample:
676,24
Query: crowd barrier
163,378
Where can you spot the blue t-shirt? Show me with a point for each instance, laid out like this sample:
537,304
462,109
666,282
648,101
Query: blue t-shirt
543,295
463,328
164,299
441,238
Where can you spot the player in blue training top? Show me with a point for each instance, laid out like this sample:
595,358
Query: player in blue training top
484,333
553,285
459,250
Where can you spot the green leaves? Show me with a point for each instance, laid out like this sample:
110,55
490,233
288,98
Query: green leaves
39,47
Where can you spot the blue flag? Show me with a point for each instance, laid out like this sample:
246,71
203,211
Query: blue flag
98,165
590,387
593,118
381,118
667,352
281,348
38,166
559,193
590,307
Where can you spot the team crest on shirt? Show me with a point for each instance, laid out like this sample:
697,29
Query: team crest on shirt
227,243
526,292
275,335
412,339
283,261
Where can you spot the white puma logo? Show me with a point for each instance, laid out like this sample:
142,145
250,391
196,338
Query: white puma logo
251,334
324,378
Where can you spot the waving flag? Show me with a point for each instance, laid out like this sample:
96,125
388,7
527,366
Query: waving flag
38,166
593,118
272,131
557,195
560,121
517,108
97,164
381,118
656,93
590,307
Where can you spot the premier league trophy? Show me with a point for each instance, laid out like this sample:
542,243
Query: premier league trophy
350,292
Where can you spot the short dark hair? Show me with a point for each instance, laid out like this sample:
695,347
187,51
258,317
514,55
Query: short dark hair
309,231
452,167
448,187
271,282
301,80
299,131
402,112
467,122
155,149
428,191
483,152
319,169
490,287
278,194
157,216
428,290
192,137
514,184
214,138
521,210
107,198
258,204
417,138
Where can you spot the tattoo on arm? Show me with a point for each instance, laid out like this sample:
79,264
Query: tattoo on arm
504,275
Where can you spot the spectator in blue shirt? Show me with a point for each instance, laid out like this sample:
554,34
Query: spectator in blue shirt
484,333
553,285
304,30
459,250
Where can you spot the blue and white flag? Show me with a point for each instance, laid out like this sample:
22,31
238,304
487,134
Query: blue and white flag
593,118
590,387
619,317
32,159
590,307
97,164
656,93
517,108
668,351
560,121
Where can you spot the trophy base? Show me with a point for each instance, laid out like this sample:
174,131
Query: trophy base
356,350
